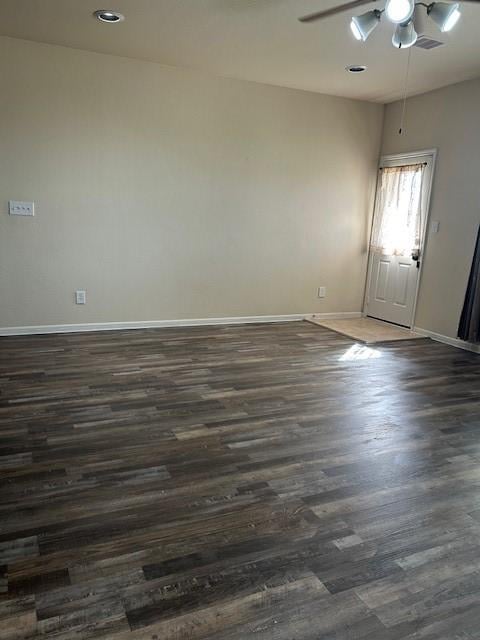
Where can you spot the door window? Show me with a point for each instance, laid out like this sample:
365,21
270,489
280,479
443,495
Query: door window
398,222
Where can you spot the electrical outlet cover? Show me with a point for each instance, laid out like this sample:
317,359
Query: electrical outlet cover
20,208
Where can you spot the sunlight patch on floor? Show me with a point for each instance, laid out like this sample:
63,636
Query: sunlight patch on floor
360,352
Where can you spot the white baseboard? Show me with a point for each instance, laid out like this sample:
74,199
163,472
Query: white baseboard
343,315
152,324
453,342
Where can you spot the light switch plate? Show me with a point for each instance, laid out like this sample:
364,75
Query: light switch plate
80,296
20,208
322,292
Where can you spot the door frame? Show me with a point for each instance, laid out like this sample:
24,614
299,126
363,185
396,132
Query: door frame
393,159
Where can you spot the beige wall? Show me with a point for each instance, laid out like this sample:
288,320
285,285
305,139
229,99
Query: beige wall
447,119
168,194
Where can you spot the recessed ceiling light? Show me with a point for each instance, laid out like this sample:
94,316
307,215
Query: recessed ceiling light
356,68
107,15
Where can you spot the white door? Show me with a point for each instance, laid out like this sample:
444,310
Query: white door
398,237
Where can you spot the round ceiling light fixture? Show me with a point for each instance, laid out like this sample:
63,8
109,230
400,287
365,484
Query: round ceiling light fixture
109,16
399,11
356,68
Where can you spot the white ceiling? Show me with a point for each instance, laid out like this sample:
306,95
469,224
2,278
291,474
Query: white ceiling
258,40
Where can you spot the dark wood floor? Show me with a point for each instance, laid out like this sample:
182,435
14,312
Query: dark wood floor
239,482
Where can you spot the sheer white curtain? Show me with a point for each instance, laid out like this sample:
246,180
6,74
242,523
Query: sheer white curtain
398,221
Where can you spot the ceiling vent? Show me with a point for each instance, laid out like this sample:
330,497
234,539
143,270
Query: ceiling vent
424,42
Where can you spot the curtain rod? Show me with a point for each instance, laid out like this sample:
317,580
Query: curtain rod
400,166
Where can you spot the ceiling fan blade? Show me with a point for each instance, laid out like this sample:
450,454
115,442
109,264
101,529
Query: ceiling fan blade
319,15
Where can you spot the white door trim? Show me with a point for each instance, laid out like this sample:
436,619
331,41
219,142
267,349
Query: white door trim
392,160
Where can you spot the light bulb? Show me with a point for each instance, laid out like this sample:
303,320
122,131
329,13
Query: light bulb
355,30
399,11
451,20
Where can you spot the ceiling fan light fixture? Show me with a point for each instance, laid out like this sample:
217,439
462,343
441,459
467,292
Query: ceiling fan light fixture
399,11
444,15
453,18
405,36
420,19
362,26
357,34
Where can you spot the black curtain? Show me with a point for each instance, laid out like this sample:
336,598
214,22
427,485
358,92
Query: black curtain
469,327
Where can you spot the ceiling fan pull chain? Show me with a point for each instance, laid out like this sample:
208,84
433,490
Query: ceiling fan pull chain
405,91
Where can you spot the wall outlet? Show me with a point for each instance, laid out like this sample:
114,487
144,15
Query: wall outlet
321,292
19,208
80,296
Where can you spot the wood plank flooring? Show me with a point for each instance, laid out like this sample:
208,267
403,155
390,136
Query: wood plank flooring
273,482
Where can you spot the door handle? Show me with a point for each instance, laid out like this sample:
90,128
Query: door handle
416,257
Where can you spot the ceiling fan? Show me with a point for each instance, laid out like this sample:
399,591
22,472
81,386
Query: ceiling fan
402,13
